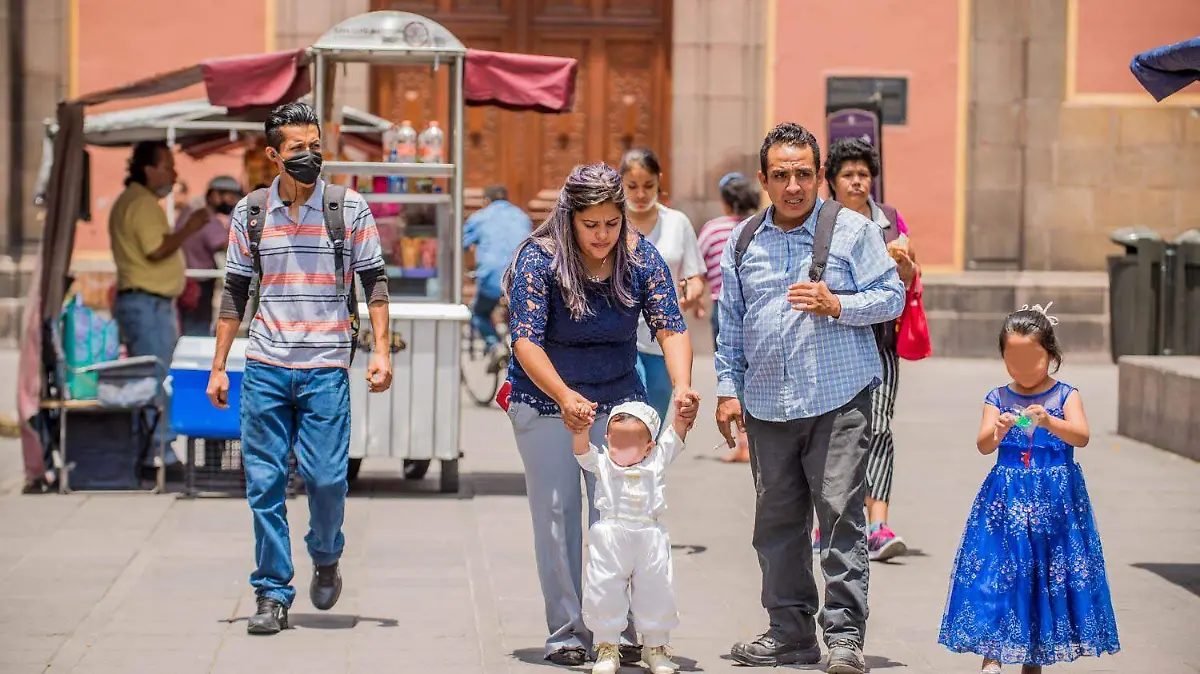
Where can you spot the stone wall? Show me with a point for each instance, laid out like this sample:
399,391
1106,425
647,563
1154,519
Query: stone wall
1049,179
1159,402
717,99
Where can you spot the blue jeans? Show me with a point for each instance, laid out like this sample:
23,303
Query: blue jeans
148,328
307,410
481,319
652,370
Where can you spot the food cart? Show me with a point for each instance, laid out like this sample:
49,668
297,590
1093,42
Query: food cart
417,420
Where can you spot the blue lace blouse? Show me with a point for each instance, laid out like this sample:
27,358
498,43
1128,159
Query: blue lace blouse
596,356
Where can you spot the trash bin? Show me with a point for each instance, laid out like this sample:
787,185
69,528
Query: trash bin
1135,282
1185,318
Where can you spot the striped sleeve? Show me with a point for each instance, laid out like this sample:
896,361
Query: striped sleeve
237,258
367,252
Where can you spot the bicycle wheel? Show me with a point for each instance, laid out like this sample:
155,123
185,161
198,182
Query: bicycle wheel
480,373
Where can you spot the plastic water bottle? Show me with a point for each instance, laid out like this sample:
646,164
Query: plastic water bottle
400,147
431,146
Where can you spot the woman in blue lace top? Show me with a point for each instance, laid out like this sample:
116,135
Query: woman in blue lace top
575,290
1029,585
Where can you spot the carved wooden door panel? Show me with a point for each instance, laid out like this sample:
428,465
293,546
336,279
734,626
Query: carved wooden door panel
622,90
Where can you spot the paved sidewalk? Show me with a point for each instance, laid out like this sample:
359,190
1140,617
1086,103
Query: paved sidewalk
127,583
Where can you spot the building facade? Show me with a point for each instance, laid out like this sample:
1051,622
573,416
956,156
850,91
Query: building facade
1014,137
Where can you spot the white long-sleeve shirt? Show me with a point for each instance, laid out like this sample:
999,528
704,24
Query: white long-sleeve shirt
636,492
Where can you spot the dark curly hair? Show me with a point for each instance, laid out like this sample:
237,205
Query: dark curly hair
850,149
1033,323
145,154
789,133
296,113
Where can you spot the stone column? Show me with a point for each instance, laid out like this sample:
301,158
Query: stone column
717,73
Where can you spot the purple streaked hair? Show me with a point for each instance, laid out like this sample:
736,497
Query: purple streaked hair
588,185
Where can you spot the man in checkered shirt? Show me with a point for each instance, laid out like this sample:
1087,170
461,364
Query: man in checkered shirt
796,362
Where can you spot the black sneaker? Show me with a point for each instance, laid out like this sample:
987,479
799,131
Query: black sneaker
326,586
270,618
631,654
846,657
568,656
767,651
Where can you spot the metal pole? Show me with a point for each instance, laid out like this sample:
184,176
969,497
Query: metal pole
171,196
456,109
319,91
16,128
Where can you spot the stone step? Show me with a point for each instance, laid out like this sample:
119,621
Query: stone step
966,311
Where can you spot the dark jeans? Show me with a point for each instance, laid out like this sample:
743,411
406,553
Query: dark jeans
481,319
198,322
820,461
716,322
306,411
148,328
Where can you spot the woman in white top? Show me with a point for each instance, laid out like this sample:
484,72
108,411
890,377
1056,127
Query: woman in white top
672,234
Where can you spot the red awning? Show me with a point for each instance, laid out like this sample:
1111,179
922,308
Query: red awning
520,81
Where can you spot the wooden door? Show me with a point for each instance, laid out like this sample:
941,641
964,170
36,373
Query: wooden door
622,92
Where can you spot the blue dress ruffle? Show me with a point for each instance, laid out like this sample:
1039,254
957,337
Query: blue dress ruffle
1028,584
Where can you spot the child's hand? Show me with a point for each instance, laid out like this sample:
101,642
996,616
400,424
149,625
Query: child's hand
1037,414
1005,422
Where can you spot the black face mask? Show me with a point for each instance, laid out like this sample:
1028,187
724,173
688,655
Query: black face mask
304,167
224,208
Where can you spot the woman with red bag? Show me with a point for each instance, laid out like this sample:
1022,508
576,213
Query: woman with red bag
851,167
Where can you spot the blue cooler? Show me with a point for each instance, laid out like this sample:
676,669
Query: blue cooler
192,414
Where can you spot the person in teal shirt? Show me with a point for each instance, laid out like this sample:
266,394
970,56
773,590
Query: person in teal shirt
495,231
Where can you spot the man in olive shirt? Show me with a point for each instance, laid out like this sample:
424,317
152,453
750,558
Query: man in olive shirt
150,266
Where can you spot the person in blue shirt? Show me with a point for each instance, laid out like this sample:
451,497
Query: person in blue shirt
495,231
796,363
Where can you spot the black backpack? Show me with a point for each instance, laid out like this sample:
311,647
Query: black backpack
822,240
335,227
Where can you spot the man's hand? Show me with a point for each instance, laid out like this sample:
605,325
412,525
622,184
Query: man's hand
578,413
379,371
218,389
729,410
196,221
815,298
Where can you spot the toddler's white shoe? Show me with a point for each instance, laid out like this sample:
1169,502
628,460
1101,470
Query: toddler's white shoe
990,667
608,659
657,660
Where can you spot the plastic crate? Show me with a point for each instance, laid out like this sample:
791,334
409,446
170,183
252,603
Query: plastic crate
214,466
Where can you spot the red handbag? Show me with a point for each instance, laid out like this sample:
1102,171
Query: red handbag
912,335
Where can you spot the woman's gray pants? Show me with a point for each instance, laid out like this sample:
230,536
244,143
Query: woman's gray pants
552,482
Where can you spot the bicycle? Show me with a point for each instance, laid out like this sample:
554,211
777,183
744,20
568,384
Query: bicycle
481,372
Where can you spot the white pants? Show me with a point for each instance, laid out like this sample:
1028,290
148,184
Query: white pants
629,558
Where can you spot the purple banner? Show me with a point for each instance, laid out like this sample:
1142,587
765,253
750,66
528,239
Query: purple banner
857,123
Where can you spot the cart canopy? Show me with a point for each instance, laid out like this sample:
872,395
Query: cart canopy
1165,70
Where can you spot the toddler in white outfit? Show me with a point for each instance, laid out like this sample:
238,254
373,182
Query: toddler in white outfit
629,551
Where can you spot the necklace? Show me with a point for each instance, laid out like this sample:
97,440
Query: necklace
595,278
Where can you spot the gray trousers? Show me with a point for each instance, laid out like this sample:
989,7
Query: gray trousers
552,482
819,461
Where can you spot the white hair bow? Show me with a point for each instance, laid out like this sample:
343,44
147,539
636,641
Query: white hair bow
1045,311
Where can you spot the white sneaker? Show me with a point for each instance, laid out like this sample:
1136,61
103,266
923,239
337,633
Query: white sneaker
657,660
608,659
990,667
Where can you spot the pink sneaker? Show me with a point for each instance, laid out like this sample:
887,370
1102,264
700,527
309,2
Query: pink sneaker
884,544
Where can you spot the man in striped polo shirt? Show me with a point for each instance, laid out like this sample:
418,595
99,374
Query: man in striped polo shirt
295,391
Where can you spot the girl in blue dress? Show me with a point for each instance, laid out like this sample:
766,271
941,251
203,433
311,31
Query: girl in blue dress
1028,585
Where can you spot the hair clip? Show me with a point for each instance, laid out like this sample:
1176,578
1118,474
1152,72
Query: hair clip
1044,310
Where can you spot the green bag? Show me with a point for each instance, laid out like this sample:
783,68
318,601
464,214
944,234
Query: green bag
87,339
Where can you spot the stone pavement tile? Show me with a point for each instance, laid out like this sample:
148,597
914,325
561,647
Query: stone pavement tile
191,659
22,516
290,651
20,653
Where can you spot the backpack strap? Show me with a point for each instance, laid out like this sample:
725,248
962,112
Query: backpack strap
823,239
892,232
751,228
335,228
256,220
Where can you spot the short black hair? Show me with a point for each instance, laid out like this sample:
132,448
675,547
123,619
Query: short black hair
145,153
495,193
641,156
741,196
1035,323
850,149
296,113
789,133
